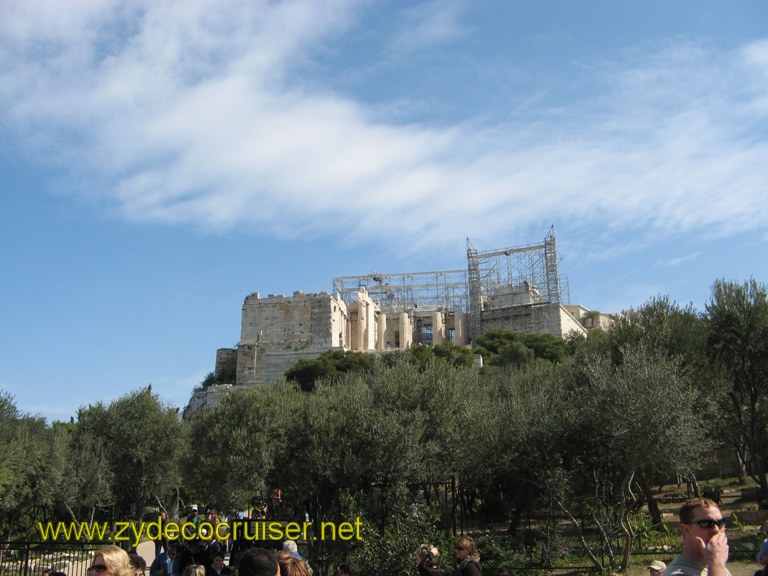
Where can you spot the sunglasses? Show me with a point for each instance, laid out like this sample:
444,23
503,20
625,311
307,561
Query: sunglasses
97,568
708,524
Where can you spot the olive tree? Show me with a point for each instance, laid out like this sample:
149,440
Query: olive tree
737,317
641,417
31,469
143,439
233,446
666,329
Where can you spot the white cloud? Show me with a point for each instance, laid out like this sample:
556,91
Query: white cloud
426,24
197,113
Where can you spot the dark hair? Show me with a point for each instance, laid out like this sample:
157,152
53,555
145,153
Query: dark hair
257,562
346,569
137,561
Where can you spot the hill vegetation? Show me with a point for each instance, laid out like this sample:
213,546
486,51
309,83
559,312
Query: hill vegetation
561,444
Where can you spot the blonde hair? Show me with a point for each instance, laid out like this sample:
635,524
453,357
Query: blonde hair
292,566
117,560
467,544
194,570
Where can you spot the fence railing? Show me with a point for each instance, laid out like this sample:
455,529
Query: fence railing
32,558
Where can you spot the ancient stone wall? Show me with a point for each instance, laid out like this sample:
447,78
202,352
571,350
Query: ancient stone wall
226,365
278,331
302,317
544,319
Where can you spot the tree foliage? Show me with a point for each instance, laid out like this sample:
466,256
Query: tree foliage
737,317
88,491
583,427
503,347
30,470
143,440
331,364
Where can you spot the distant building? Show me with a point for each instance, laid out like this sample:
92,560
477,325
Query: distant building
514,289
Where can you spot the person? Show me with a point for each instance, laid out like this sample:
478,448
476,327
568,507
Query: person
346,570
257,562
214,545
217,567
426,561
292,566
110,560
195,552
239,545
259,507
194,570
167,563
293,548
762,554
469,559
656,568
190,524
162,542
194,515
705,546
138,563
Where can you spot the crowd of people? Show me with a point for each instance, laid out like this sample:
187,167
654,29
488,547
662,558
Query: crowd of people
702,526
191,560
196,557
207,556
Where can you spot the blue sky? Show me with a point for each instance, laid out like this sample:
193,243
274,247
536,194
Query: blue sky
161,160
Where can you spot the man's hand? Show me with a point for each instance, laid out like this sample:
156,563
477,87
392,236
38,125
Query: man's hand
715,552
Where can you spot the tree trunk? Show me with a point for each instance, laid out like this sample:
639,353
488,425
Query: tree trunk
74,519
629,535
653,506
693,487
582,538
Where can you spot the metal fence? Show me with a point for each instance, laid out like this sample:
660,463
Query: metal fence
32,558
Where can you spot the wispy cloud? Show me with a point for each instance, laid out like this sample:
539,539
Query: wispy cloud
425,25
672,262
197,113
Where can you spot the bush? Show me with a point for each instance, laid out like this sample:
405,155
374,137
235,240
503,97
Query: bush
503,555
388,545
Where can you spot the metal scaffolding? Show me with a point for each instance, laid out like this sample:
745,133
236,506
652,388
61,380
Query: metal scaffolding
530,269
443,290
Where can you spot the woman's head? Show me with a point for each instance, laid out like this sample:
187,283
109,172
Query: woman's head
290,565
111,561
138,563
194,570
465,547
423,551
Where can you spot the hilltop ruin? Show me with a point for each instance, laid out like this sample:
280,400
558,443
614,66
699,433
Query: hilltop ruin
516,288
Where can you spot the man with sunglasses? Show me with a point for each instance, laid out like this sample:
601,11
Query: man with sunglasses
705,546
